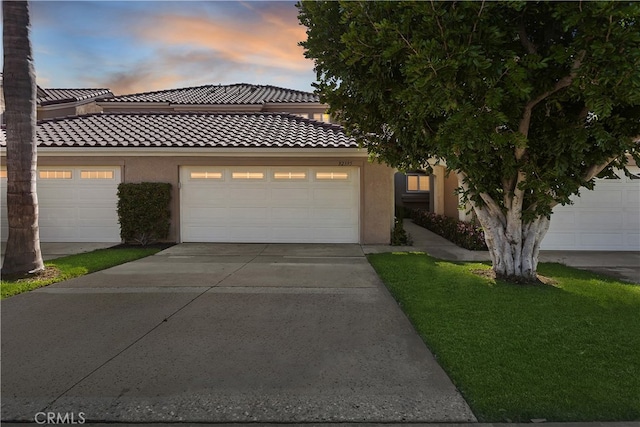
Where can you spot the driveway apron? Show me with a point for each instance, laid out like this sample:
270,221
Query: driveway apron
223,333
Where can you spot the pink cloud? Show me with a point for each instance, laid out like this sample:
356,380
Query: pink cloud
264,38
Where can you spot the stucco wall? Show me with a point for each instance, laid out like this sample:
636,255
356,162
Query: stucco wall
376,181
450,197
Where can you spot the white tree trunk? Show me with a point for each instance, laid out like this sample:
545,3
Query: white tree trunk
513,245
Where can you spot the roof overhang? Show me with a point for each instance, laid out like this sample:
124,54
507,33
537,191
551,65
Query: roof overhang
196,151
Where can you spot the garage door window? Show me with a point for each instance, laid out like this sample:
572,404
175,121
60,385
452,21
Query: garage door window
289,176
247,175
55,174
205,175
332,176
97,174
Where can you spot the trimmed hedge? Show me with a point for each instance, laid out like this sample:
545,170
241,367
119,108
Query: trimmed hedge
143,211
464,234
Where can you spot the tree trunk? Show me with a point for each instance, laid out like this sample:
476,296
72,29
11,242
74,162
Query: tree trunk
513,245
22,253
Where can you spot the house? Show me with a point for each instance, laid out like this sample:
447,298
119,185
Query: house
62,102
254,163
247,163
54,103
607,218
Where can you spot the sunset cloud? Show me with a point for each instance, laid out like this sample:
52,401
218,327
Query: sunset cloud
261,38
144,46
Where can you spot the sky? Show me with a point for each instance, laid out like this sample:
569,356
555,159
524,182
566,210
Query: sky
140,46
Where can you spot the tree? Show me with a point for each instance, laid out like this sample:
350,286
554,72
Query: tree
526,101
22,253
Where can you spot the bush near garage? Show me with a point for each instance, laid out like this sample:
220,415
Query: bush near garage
465,234
143,211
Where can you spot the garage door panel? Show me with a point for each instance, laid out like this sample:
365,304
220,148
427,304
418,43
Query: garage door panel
205,215
253,215
333,196
632,240
631,221
279,214
292,196
603,220
290,206
632,198
96,214
606,218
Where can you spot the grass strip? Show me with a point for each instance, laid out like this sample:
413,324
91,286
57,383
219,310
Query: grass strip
567,352
71,266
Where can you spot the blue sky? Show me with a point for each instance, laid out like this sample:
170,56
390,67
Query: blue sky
137,46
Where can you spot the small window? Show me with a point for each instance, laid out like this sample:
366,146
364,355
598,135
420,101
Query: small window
54,174
417,183
96,174
289,175
247,175
205,175
3,173
332,175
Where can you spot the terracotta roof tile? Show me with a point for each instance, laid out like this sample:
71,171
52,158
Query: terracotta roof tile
61,96
222,130
241,93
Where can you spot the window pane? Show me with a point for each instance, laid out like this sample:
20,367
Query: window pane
205,175
289,175
96,174
332,175
247,175
3,173
412,183
54,174
424,183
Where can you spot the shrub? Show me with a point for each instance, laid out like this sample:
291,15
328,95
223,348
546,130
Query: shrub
399,236
143,211
465,234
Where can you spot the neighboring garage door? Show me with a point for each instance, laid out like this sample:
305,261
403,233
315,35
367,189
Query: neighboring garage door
76,204
607,218
270,204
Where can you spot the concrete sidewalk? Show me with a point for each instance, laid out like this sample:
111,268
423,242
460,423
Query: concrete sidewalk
223,333
621,265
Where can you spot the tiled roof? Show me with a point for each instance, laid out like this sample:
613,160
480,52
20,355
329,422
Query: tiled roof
61,96
252,130
241,93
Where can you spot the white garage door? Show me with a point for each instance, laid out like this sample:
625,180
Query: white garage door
77,204
607,218
270,204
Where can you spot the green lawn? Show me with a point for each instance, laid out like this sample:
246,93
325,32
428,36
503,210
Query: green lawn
568,352
68,267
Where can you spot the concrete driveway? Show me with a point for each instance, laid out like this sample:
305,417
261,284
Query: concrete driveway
223,333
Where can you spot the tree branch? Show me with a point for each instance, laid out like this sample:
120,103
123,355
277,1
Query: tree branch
596,169
475,24
564,82
444,39
524,39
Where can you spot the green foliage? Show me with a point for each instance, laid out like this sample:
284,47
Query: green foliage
143,211
523,352
399,236
456,81
71,266
464,234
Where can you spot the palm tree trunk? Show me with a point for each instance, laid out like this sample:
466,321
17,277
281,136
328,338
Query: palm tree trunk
22,253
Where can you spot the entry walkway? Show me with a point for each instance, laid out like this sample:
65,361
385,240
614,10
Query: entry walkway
623,265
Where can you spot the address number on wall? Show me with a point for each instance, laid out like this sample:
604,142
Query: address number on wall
345,163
